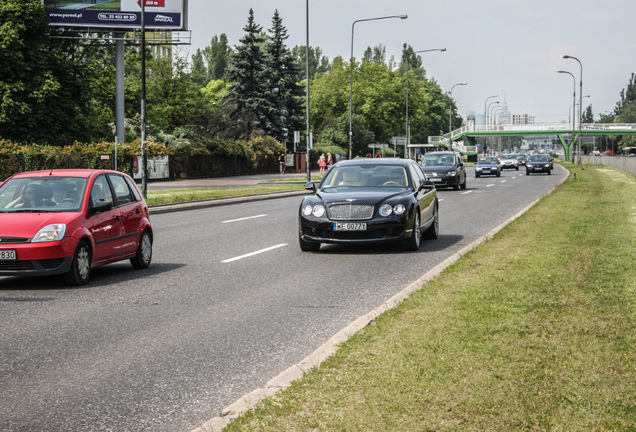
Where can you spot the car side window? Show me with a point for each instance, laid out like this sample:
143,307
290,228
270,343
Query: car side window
100,192
417,175
123,194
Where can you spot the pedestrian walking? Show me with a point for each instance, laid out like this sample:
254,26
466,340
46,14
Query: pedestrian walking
282,162
330,160
322,163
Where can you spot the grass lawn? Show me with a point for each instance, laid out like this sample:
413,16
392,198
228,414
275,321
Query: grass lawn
171,196
533,330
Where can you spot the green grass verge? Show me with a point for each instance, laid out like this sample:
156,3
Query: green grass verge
173,196
533,330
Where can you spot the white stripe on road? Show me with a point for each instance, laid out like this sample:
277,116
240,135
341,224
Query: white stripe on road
254,253
503,181
490,185
464,193
245,218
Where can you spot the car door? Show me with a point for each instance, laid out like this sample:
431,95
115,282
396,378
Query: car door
105,226
424,196
129,206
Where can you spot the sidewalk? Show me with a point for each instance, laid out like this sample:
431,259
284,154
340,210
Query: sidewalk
237,181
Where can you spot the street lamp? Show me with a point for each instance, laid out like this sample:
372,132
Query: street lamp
450,113
408,64
486,110
580,102
573,105
574,98
486,120
351,66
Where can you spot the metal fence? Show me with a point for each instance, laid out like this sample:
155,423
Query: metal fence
181,166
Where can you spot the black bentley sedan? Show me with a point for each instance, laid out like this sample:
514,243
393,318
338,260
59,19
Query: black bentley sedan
369,201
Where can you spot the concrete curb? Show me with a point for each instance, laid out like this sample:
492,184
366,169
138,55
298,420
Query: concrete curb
285,378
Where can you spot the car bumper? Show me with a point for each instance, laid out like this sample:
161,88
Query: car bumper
510,166
487,171
38,259
385,231
531,168
445,181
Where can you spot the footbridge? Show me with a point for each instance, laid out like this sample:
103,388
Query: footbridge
470,132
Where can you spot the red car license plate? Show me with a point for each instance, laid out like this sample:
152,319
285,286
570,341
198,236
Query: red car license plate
7,255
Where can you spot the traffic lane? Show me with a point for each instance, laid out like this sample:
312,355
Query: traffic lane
197,333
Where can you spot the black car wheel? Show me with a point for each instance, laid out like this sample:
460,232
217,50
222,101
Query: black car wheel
416,237
80,270
463,185
144,252
527,172
432,232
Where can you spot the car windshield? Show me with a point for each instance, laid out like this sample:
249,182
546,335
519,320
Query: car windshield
42,194
438,160
508,157
538,158
487,160
365,176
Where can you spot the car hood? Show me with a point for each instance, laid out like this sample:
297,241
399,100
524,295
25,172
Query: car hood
27,225
487,165
363,195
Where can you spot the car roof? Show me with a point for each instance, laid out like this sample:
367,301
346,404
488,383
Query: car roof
375,161
85,173
434,153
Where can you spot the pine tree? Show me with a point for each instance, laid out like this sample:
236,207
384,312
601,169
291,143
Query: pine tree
285,75
250,84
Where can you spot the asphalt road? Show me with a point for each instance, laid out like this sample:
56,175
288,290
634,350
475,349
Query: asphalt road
229,302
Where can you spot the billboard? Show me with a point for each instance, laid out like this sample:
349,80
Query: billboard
117,14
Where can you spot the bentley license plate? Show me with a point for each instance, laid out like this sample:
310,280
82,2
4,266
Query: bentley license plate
349,226
7,255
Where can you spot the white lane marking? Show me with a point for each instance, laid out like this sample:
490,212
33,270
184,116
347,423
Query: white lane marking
503,181
464,193
254,253
245,218
490,185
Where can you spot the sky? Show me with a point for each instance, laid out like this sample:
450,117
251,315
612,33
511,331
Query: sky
509,48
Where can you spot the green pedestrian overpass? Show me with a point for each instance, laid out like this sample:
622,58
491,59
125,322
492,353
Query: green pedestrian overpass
469,133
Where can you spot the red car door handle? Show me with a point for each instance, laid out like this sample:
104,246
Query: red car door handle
118,218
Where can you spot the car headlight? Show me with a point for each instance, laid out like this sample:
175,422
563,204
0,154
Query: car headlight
452,173
317,210
50,233
478,168
387,209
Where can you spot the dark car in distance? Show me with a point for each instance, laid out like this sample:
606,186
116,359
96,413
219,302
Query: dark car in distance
369,201
445,169
487,165
539,163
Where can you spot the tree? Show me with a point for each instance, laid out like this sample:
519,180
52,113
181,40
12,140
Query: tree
54,91
318,64
376,54
288,95
588,116
626,111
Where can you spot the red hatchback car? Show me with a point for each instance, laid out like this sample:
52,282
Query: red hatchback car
70,221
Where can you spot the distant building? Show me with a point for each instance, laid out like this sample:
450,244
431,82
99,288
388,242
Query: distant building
522,119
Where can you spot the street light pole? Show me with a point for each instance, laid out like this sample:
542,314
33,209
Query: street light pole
351,66
408,64
486,119
574,98
450,113
580,103
486,110
307,91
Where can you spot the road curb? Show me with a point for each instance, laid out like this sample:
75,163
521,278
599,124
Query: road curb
285,378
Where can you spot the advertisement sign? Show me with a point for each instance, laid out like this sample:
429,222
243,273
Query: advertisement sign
117,14
157,167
